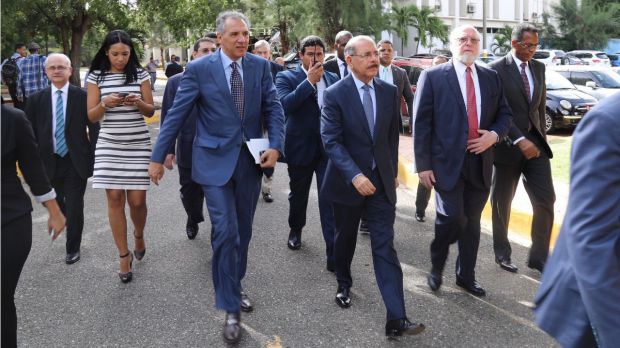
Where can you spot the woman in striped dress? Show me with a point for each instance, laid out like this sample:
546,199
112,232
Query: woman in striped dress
119,94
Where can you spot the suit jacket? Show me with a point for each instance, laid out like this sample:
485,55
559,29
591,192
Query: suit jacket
441,126
19,145
349,144
332,67
580,286
173,68
401,80
220,130
81,144
185,138
302,141
523,112
275,69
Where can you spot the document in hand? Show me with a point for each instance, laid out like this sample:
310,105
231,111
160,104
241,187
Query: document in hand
257,147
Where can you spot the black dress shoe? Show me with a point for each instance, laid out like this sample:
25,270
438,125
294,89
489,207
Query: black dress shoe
472,287
267,197
419,217
364,226
232,328
507,265
294,240
401,327
343,297
434,280
537,265
246,304
72,258
331,266
191,230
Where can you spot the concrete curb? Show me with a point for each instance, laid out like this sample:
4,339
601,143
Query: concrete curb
520,222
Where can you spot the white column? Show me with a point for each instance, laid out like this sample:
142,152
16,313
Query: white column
457,12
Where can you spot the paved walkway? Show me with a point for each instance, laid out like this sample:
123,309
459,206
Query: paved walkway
521,215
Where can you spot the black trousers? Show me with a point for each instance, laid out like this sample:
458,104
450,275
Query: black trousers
16,243
70,189
538,183
192,196
13,92
458,219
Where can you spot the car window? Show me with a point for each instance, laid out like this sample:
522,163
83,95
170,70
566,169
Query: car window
553,80
541,55
606,79
580,77
559,53
602,55
583,55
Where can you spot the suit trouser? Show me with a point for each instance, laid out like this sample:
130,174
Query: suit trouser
70,189
458,219
423,195
231,209
192,196
300,182
380,214
538,183
16,243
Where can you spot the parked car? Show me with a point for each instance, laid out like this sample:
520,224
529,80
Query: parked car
591,57
614,59
572,60
549,57
600,82
413,67
566,105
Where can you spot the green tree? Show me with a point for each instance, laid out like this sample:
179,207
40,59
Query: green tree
502,41
588,25
401,19
353,15
429,26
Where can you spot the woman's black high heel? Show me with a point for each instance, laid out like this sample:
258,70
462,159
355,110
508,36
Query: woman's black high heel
139,254
126,277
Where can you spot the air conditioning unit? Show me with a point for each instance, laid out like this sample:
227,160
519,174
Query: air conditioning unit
471,8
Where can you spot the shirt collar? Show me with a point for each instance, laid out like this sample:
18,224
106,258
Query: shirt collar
518,61
340,62
460,67
64,89
389,67
227,61
359,84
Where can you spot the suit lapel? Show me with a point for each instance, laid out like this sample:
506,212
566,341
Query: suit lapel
47,116
450,75
249,75
217,70
484,93
515,75
69,114
358,108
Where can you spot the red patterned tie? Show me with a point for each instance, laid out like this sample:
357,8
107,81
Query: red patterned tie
472,112
526,82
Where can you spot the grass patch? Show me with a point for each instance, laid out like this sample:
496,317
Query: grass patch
560,163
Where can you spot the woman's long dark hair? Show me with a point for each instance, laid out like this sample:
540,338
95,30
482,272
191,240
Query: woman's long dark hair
101,61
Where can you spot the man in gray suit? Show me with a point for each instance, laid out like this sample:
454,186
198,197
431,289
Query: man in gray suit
524,151
578,301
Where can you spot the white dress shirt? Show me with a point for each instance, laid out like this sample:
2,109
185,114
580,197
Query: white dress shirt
459,67
65,91
385,73
341,65
528,72
320,87
226,61
359,84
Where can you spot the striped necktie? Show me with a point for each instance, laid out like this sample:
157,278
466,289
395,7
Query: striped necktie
61,144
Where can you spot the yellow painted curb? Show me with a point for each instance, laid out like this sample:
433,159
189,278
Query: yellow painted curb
152,119
520,222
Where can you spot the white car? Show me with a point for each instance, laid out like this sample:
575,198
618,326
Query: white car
600,82
549,57
592,57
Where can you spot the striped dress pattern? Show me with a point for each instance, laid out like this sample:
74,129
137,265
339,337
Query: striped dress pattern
123,149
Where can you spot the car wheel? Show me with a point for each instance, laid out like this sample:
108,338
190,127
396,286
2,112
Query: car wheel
549,128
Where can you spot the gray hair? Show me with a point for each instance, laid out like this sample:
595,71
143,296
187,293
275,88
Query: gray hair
349,49
262,43
63,56
517,32
223,16
342,34
456,33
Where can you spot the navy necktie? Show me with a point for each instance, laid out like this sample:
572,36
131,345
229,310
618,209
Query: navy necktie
236,89
61,144
346,71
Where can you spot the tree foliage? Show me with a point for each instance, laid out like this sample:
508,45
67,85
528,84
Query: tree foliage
502,41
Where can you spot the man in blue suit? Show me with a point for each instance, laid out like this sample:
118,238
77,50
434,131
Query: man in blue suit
235,96
460,112
192,196
578,301
301,94
359,128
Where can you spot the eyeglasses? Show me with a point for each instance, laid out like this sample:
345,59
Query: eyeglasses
59,68
367,55
463,40
528,46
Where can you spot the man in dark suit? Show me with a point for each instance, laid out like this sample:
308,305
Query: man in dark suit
578,301
173,67
192,196
398,77
359,128
263,49
525,150
66,142
301,94
236,100
459,112
337,65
